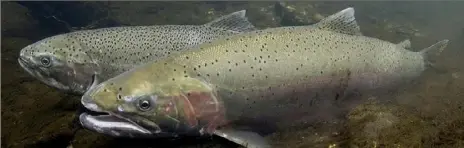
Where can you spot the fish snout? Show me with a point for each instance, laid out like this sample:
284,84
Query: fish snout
27,51
88,98
23,61
90,104
113,126
27,65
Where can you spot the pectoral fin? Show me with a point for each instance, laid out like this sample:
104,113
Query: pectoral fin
244,138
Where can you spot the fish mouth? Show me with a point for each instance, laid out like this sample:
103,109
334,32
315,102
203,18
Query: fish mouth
24,63
86,99
27,65
111,123
108,123
35,71
118,127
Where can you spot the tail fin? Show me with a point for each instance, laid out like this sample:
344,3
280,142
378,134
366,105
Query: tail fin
236,21
433,50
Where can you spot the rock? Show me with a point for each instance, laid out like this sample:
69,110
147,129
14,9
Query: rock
319,135
374,125
297,13
85,138
262,14
29,107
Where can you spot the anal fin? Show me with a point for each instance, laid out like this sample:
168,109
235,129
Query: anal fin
243,138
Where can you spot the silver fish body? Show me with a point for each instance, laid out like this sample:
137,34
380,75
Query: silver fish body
234,87
68,61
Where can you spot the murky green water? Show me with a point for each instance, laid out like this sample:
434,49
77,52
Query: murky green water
428,113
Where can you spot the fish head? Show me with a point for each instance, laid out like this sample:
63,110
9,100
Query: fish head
153,104
60,62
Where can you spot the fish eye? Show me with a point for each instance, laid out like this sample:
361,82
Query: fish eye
45,61
144,104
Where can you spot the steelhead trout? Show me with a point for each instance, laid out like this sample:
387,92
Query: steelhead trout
237,86
68,61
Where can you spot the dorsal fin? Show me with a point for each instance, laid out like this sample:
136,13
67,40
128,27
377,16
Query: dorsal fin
406,44
236,21
341,22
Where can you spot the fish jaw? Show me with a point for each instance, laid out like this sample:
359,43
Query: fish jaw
37,72
109,124
113,126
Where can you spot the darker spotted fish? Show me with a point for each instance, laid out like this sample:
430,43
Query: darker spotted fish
68,61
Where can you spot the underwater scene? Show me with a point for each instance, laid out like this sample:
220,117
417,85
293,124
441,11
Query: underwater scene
225,74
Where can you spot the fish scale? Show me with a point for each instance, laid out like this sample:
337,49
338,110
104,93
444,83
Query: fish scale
257,82
107,52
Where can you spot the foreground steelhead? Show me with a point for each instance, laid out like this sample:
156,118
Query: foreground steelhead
239,87
68,61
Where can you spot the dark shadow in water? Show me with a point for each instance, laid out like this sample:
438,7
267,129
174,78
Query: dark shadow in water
61,140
